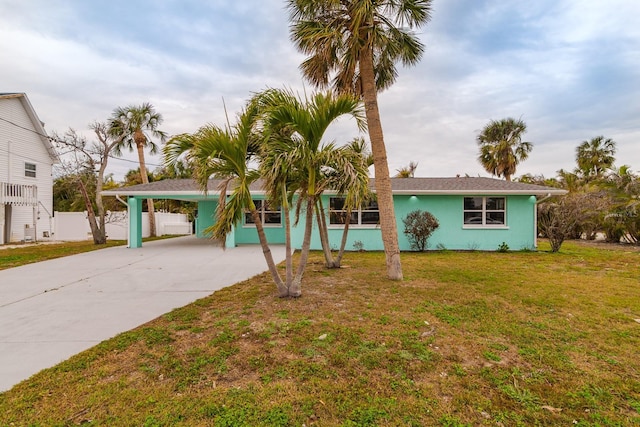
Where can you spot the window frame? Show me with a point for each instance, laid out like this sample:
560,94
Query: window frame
28,171
264,213
485,213
356,214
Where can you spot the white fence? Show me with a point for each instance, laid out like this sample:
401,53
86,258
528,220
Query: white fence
72,226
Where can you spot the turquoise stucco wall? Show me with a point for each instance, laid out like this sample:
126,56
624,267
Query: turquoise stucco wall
248,234
518,234
243,234
206,215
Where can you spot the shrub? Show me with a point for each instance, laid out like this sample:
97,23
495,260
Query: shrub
503,247
418,227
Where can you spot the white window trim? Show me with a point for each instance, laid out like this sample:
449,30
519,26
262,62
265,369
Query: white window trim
34,171
357,225
484,226
261,212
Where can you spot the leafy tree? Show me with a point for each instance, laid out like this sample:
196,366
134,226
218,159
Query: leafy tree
595,156
134,126
502,148
418,227
353,46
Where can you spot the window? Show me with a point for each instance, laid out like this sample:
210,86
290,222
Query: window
268,215
367,215
484,211
30,170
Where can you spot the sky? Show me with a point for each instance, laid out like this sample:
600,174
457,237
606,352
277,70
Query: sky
570,69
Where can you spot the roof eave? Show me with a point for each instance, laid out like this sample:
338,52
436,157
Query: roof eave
555,192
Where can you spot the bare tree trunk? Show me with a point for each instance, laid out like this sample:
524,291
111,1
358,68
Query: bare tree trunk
296,287
383,181
98,236
283,290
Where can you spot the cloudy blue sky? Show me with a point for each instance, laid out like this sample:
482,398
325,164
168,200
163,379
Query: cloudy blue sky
569,68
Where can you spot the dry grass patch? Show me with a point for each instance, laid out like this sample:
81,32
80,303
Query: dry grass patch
467,339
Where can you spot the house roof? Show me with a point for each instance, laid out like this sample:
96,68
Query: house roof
37,123
408,186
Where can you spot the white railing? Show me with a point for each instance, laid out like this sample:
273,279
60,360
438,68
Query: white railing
18,194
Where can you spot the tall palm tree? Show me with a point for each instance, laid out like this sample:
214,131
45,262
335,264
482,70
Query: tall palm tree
226,154
502,148
353,46
134,125
594,157
309,162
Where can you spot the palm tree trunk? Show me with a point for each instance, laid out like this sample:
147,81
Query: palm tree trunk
296,287
283,290
287,243
324,235
383,181
145,180
102,233
343,242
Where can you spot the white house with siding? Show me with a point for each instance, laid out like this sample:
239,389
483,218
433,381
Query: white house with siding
26,162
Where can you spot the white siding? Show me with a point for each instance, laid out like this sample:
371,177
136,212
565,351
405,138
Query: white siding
20,144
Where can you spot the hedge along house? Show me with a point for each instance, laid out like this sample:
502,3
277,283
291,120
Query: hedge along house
474,213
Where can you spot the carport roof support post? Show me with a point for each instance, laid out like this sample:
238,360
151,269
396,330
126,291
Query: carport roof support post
135,222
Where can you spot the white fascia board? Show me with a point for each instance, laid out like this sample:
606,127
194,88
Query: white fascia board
480,192
151,194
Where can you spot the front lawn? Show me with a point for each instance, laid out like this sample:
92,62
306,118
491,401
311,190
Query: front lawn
526,338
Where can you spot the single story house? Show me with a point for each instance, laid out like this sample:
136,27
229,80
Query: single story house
474,213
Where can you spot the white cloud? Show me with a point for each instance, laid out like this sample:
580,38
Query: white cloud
568,68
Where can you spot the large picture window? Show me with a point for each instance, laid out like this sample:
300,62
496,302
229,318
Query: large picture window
30,170
485,211
367,215
268,215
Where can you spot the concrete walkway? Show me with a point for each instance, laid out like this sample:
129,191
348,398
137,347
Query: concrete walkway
54,309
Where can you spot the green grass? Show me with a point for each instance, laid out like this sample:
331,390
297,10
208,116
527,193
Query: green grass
27,254
30,253
518,338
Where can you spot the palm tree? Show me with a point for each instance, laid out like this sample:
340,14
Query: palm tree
134,125
594,157
502,148
226,154
407,171
353,46
353,183
309,163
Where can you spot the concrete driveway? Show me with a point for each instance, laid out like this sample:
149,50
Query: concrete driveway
54,309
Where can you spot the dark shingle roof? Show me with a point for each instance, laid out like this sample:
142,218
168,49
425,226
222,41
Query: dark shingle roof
458,185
